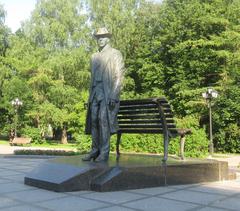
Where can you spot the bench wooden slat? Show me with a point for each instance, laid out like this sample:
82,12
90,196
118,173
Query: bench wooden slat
173,131
141,126
142,101
152,108
125,130
144,121
144,116
139,112
120,122
140,117
147,106
146,126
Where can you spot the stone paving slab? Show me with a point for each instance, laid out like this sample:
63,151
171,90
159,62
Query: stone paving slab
72,203
229,203
5,202
24,208
160,204
15,196
36,195
192,197
153,191
117,197
210,209
116,208
13,187
218,188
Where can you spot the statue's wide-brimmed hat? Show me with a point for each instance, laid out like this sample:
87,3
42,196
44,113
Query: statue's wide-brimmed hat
102,32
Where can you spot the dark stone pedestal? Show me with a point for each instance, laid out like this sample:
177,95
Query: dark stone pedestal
131,172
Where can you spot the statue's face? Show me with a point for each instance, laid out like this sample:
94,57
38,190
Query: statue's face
103,41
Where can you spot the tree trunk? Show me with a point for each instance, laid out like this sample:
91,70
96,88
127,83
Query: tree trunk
64,135
37,121
11,135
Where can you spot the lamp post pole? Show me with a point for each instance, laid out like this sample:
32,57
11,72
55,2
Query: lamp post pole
209,95
16,103
211,150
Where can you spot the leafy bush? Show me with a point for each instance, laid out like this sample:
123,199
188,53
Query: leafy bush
196,144
228,139
44,152
34,133
141,143
83,142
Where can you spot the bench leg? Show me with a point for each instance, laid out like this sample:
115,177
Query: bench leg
166,141
164,161
117,145
182,143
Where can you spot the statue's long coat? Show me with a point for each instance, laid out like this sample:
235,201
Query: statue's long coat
110,61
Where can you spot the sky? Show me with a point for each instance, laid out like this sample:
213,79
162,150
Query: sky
20,10
17,11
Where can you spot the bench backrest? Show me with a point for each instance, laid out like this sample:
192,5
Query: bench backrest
152,115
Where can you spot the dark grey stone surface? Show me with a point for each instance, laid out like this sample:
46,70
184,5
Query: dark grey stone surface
131,172
59,176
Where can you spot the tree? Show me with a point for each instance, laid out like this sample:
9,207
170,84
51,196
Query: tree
4,32
63,98
6,69
118,16
52,50
58,24
187,46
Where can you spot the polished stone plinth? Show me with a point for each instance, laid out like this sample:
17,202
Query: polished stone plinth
130,172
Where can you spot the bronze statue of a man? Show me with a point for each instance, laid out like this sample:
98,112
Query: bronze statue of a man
107,68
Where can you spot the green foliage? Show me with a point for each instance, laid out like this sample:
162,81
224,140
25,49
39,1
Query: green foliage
141,143
196,144
4,31
118,16
57,24
227,116
228,139
45,152
174,49
83,142
33,133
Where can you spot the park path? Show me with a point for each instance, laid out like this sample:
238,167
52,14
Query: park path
9,150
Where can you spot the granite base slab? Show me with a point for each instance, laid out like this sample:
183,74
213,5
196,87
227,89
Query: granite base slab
130,172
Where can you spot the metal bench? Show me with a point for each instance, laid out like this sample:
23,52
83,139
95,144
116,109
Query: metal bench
148,116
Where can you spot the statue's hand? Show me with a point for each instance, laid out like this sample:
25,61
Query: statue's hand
112,104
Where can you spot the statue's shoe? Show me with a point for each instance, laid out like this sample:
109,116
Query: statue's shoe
101,158
90,156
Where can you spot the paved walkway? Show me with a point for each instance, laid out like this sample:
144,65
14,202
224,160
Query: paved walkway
9,150
15,196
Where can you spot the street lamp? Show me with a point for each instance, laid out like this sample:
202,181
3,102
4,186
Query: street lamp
209,95
16,103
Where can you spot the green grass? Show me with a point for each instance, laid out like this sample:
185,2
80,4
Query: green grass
4,142
55,145
47,144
